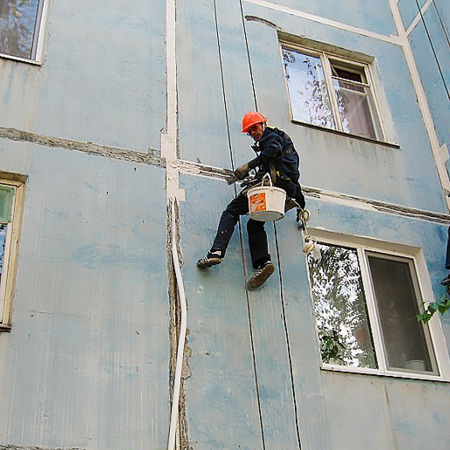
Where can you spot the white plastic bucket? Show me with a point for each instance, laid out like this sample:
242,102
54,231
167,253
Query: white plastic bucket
266,203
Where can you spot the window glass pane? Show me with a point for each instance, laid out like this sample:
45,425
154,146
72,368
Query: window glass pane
355,108
405,339
340,307
6,200
347,74
2,249
307,89
17,27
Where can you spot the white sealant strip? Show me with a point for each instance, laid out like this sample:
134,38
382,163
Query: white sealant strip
174,194
418,17
170,138
181,337
422,101
304,15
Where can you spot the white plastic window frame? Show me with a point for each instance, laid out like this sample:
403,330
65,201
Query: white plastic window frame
365,246
10,254
37,51
325,57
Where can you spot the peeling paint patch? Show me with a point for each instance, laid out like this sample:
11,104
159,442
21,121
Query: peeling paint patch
263,21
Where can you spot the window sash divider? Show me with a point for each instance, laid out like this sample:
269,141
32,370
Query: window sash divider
345,80
427,331
374,105
328,75
41,23
374,320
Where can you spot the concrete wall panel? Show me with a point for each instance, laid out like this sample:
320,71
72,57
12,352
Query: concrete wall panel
359,13
434,70
88,352
409,10
221,364
202,120
397,414
103,78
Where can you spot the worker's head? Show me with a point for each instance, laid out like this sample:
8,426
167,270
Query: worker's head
253,123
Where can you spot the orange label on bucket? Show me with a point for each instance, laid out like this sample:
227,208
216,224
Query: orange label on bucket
258,202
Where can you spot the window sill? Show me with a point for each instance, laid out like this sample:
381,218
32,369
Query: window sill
19,59
379,373
347,135
5,328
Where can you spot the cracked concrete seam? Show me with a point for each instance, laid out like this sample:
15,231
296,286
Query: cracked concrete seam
152,157
14,447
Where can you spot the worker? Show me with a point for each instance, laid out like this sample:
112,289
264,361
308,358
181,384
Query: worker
277,156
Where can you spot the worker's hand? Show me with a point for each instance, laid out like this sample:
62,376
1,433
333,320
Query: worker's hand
242,171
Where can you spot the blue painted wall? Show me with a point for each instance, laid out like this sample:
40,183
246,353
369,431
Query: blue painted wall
87,362
89,339
287,401
103,77
431,46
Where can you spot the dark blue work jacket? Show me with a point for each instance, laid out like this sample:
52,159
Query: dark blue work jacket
276,147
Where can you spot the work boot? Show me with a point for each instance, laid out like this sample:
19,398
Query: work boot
212,259
261,275
446,280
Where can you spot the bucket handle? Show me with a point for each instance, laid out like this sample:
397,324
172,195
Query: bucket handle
267,175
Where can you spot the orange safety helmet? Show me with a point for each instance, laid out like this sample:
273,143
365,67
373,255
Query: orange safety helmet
251,118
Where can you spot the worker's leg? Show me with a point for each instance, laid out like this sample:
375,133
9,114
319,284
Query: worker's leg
259,252
228,220
257,240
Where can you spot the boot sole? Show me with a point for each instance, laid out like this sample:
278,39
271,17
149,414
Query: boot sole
258,280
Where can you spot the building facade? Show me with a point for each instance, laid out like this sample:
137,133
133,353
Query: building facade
119,124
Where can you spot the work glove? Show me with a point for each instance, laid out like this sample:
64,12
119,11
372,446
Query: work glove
242,171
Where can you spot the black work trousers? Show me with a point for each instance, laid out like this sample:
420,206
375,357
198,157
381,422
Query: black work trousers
257,237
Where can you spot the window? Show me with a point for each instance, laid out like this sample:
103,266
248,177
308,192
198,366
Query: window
331,92
20,23
365,305
10,192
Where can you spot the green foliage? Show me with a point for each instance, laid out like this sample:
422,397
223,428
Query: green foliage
340,307
331,347
442,305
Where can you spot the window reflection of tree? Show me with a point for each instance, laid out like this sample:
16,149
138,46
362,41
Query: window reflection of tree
17,25
340,307
317,103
